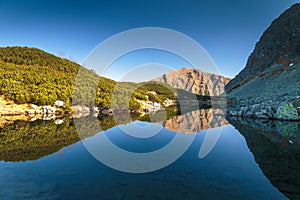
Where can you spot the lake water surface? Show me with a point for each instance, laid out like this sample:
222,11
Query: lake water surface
249,159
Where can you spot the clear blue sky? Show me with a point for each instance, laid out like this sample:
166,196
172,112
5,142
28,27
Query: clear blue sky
228,30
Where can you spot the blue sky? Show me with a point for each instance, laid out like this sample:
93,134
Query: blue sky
228,30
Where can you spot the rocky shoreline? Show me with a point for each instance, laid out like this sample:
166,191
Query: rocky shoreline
268,97
288,110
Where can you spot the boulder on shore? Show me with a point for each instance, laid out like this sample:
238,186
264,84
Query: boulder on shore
284,111
106,111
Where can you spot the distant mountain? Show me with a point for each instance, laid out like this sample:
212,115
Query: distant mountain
195,81
268,87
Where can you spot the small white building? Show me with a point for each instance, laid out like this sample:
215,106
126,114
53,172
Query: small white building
59,121
96,109
59,103
85,109
155,104
169,102
49,110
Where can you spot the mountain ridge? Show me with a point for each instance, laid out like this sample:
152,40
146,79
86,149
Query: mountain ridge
195,81
279,44
268,87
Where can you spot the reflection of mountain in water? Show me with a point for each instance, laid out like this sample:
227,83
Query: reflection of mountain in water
196,121
24,140
276,148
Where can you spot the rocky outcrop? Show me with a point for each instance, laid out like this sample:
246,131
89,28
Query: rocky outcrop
106,111
195,81
284,111
268,87
279,46
287,111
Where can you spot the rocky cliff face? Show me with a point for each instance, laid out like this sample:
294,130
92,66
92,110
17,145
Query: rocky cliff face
195,81
271,78
279,46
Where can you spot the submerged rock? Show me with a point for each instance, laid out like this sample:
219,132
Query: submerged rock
287,128
261,114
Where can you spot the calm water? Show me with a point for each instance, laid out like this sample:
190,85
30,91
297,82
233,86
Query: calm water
250,160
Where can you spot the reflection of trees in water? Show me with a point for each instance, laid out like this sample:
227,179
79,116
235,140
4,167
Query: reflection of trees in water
276,148
24,140
191,121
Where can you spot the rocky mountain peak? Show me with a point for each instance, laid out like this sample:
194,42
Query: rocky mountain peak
279,44
195,81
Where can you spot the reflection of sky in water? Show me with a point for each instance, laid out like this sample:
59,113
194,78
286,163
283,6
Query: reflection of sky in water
228,171
139,145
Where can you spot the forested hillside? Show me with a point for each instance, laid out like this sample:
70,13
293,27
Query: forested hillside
30,75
